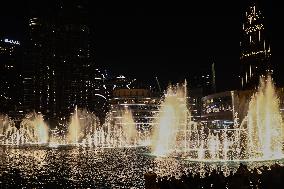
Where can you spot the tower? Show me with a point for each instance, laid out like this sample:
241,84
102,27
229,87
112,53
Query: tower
255,49
59,72
57,56
10,67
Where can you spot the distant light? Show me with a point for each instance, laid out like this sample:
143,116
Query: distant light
120,77
100,96
12,41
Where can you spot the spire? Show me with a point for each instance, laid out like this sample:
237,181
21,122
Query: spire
158,84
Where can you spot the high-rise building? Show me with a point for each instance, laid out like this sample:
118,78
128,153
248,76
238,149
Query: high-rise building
194,103
255,49
202,80
10,66
97,95
59,71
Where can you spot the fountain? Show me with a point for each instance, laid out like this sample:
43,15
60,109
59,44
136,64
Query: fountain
259,138
128,125
265,132
172,122
127,128
85,130
82,128
121,129
74,128
178,144
8,131
32,130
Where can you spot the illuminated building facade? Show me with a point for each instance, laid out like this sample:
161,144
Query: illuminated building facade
194,103
119,82
220,110
143,104
96,93
199,85
205,80
255,49
112,83
10,77
59,71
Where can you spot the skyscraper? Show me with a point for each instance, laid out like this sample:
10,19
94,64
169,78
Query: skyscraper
10,58
255,49
59,71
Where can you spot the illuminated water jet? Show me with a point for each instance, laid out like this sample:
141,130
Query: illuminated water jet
260,136
83,127
171,131
264,124
74,128
85,130
32,130
129,126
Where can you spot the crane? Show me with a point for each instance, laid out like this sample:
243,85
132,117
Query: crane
158,84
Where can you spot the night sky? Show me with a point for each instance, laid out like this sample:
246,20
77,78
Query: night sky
171,42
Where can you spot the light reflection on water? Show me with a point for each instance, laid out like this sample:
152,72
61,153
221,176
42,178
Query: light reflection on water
73,167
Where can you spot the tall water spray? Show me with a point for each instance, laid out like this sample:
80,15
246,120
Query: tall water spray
74,128
259,137
8,130
264,123
33,129
172,121
83,127
128,126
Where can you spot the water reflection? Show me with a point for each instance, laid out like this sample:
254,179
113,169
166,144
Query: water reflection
73,167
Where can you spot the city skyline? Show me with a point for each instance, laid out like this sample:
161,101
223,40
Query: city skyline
182,42
171,44
141,96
